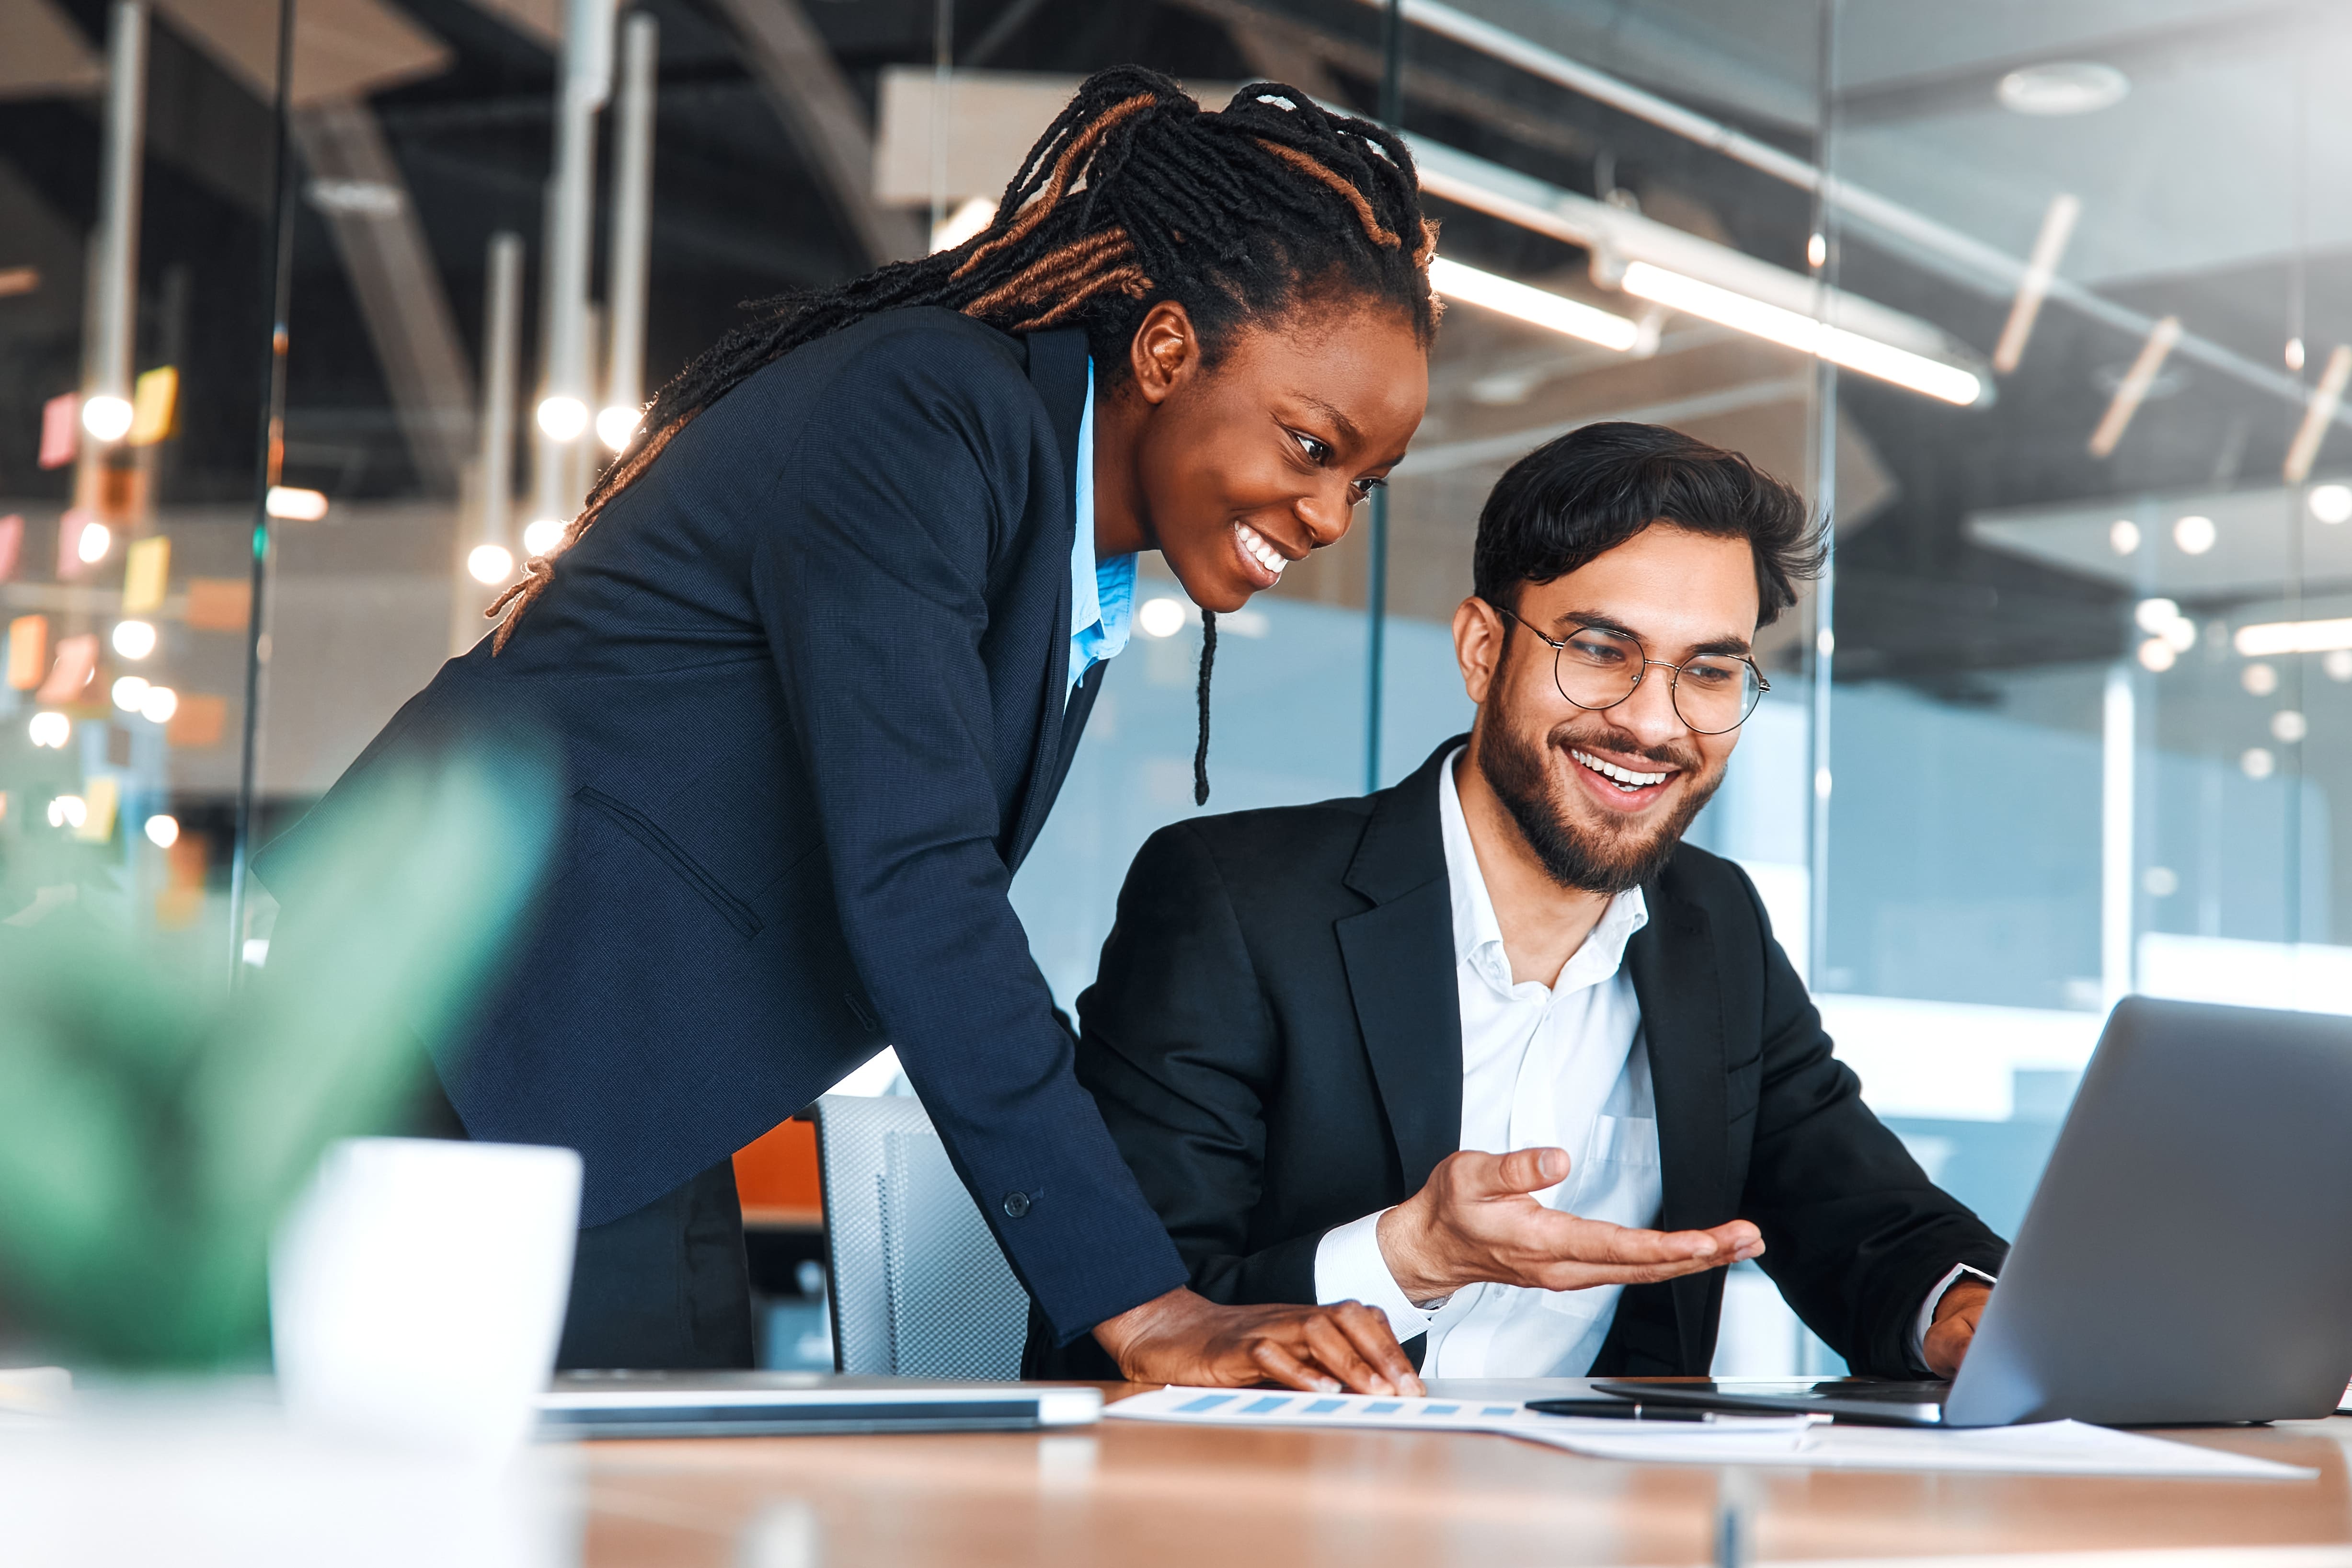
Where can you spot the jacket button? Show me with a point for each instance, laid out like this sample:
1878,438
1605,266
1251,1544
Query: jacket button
1016,1204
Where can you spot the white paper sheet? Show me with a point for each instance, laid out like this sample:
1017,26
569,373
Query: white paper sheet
2051,1448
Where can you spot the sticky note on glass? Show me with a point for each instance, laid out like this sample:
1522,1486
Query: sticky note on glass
60,430
154,399
28,651
219,603
77,663
146,570
100,798
12,544
200,721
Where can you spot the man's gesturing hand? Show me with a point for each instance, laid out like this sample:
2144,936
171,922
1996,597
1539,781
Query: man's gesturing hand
1184,1338
1475,1221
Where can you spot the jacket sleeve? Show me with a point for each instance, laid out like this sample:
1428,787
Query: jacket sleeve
897,506
1854,1233
1181,1051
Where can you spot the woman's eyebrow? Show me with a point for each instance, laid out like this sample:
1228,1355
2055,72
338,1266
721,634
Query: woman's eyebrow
1340,422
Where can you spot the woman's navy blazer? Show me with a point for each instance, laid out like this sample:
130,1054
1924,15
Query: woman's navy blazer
807,679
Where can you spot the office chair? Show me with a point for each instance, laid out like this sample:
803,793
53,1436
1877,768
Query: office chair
919,1286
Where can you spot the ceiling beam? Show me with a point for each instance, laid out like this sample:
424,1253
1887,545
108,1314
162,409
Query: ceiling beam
789,59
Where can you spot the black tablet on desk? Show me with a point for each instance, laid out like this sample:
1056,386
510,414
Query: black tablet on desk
780,1403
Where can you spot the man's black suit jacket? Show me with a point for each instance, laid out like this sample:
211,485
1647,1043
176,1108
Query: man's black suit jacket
1274,1040
808,679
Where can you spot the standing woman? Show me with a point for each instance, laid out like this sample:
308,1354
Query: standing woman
816,655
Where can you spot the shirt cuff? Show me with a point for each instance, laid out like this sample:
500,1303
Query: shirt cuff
1919,1325
1348,1268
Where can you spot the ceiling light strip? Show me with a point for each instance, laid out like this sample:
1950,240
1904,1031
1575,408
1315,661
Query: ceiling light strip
2041,267
1851,350
1534,306
2276,637
2326,398
2133,389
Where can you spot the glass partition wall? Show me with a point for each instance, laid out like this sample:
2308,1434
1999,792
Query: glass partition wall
2045,307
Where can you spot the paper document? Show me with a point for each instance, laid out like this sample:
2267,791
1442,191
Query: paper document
1268,1407
2050,1447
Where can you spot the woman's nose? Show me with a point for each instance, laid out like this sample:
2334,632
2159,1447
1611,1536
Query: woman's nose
1326,518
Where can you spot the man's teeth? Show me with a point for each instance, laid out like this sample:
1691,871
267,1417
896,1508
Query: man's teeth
1264,554
1626,778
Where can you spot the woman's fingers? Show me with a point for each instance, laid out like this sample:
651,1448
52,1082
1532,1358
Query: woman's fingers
1368,1332
1337,1354
1282,1367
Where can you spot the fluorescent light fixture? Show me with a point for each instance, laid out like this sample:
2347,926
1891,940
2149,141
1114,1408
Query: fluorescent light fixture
563,418
490,563
2317,416
295,506
107,417
2133,389
1536,306
2063,86
963,224
2330,503
2041,270
2275,637
543,536
2195,534
1851,351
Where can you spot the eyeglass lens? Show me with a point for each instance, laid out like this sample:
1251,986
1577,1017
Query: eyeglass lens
1599,669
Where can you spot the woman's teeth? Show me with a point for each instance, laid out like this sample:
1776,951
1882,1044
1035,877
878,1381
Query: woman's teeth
1625,779
1264,554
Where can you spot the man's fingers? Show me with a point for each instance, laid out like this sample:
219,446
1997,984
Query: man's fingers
1521,1170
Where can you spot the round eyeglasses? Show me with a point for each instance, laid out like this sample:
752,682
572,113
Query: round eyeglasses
1596,668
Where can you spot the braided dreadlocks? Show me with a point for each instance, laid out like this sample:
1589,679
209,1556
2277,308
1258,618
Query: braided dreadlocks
1133,196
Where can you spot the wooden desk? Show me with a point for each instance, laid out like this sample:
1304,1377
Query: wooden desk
1140,1495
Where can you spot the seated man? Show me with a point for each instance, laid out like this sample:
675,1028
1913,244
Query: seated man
1493,1051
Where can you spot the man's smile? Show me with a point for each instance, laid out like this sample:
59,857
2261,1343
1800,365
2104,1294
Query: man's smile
1621,787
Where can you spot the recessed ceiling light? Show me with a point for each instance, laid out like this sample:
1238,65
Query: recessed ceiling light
2063,86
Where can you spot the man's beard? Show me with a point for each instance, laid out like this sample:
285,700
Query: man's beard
1575,857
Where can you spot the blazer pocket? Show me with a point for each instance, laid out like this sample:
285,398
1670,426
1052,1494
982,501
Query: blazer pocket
642,828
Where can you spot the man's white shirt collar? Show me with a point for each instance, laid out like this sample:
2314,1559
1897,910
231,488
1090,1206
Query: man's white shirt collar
1478,936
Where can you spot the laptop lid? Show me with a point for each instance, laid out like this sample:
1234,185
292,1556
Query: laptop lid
2183,1257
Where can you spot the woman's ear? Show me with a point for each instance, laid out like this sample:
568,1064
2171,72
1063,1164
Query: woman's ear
1164,350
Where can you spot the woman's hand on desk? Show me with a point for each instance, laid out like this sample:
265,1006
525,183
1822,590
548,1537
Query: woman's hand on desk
1185,1338
1954,1328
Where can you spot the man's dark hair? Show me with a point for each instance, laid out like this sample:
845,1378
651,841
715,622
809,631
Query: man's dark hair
1574,499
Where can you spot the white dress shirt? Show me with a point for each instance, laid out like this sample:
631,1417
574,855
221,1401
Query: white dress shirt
1562,1065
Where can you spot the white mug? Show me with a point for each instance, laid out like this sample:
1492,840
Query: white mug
418,1290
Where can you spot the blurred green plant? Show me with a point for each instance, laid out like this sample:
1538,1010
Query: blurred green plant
154,1124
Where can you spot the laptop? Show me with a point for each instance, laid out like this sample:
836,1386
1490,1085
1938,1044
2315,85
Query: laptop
779,1403
2184,1258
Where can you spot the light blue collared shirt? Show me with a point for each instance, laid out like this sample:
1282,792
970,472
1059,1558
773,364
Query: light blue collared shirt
1102,595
